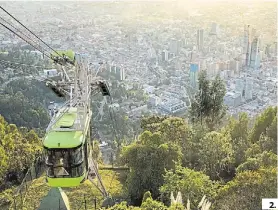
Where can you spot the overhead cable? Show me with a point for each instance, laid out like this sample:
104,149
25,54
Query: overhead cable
29,30
23,39
42,49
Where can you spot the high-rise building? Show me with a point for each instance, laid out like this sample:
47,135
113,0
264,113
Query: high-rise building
255,55
247,44
165,55
193,74
200,39
180,44
151,53
185,42
119,72
240,86
171,55
268,51
275,49
248,88
214,29
174,46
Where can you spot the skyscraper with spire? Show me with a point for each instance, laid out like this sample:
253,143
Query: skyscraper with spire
247,44
255,54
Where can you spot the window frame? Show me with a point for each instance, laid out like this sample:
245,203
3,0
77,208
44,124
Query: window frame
75,169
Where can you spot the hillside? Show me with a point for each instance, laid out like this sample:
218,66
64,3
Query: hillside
77,195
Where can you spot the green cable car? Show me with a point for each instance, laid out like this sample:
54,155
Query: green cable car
67,146
69,55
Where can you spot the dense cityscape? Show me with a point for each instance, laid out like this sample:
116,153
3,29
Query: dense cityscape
163,56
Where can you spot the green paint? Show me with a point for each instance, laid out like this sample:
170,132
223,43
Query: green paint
65,139
67,120
68,53
65,182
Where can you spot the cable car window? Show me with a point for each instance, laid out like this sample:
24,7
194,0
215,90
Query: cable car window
77,155
50,171
49,157
78,171
62,162
57,158
57,172
60,171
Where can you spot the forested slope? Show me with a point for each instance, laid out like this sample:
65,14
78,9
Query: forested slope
235,166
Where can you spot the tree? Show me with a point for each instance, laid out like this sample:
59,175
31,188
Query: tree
264,123
177,206
238,131
146,196
147,159
149,123
151,204
247,189
3,162
120,206
96,153
193,185
216,155
207,105
265,159
267,143
17,151
178,131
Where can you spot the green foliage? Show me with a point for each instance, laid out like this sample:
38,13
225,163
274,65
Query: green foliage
35,193
247,189
123,206
150,123
17,151
193,185
177,206
217,155
151,204
208,103
146,196
265,159
176,130
238,130
24,103
147,160
120,206
265,123
6,198
267,143
3,163
96,152
111,181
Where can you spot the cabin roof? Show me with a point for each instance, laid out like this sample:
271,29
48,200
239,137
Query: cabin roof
63,139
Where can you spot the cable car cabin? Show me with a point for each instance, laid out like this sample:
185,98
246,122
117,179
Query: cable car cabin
67,149
68,55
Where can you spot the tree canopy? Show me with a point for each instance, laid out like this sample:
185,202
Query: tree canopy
208,105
